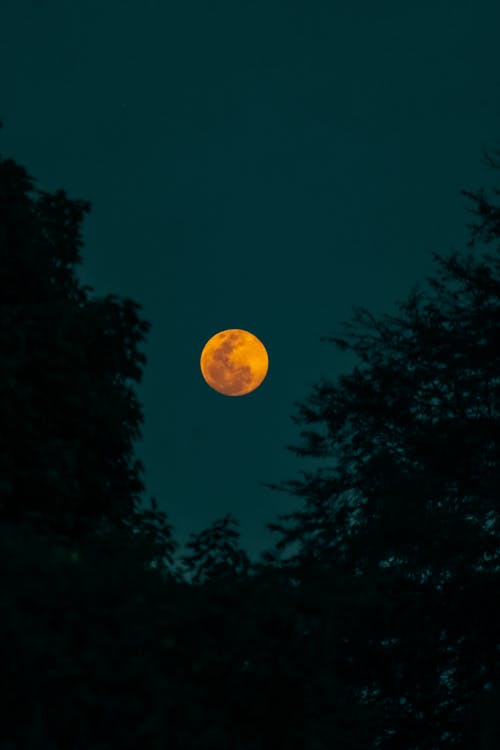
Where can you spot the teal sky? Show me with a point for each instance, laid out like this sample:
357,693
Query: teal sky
260,165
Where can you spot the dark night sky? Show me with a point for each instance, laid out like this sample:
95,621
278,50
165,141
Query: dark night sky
261,165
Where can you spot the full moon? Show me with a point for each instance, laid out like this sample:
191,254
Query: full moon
234,362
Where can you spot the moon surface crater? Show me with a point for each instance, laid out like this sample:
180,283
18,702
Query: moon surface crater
234,362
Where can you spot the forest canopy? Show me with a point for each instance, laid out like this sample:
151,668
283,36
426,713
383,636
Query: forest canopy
380,629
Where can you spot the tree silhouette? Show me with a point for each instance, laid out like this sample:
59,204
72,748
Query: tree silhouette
102,643
80,646
69,362
85,565
215,552
380,630
408,493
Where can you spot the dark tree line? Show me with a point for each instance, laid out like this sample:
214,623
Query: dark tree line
409,493
380,629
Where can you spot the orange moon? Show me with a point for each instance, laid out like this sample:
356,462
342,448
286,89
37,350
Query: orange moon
234,362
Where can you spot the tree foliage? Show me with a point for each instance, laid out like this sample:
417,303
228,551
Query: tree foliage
409,485
103,641
69,361
80,553
379,630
